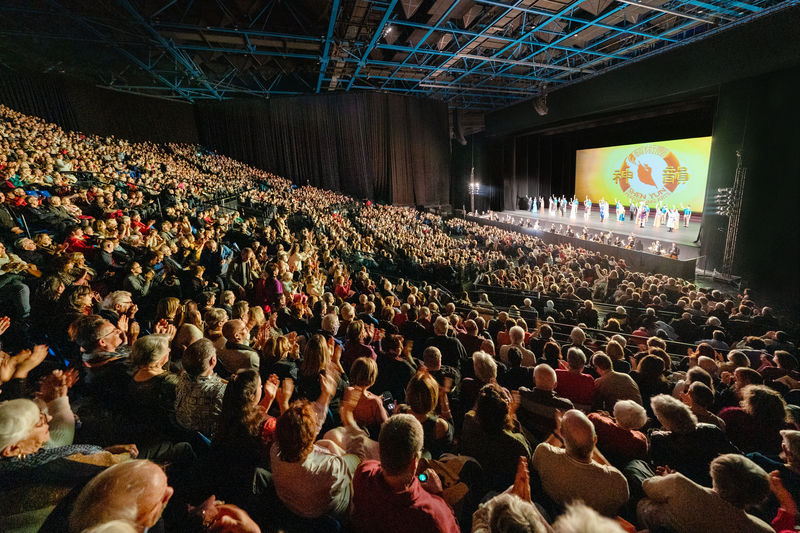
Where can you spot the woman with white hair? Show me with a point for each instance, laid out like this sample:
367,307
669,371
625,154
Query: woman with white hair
683,444
34,463
619,438
517,337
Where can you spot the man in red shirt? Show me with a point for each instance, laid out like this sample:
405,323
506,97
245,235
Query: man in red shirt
388,495
573,384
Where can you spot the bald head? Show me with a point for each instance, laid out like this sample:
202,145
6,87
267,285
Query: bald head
135,491
579,436
545,377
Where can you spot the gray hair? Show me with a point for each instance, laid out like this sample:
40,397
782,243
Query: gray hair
214,318
485,366
578,336
739,481
401,439
115,298
620,339
673,414
17,420
508,513
148,349
330,322
576,358
440,326
516,334
582,519
629,414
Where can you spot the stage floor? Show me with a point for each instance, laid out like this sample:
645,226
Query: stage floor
685,237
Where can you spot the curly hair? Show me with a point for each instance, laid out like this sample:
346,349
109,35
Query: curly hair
240,417
295,432
491,410
765,405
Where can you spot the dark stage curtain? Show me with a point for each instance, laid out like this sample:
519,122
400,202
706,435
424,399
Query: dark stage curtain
79,106
41,96
390,148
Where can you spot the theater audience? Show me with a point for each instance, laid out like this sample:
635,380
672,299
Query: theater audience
146,238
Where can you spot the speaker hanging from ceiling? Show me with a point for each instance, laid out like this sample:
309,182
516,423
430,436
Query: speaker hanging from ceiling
540,105
458,129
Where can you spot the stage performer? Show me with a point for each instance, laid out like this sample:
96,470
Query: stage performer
663,214
687,214
657,218
634,210
535,208
550,205
587,204
642,215
672,219
562,206
602,204
620,211
575,203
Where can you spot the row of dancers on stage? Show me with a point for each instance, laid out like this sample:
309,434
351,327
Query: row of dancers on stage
639,213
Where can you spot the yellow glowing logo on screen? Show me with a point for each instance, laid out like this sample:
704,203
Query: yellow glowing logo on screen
650,172
670,171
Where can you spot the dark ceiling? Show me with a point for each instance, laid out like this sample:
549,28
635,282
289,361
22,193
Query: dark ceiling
475,54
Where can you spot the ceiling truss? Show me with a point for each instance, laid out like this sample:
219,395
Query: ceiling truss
474,54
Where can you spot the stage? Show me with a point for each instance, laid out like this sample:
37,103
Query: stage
642,261
684,237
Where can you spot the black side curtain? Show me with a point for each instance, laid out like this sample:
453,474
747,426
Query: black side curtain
78,106
369,145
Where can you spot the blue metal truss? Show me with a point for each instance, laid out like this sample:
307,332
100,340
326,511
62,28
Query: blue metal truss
505,51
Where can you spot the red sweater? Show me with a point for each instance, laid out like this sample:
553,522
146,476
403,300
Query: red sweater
376,507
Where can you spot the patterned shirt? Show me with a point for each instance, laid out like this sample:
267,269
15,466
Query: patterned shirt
198,402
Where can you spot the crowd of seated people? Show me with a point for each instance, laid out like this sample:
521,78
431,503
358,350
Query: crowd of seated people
168,365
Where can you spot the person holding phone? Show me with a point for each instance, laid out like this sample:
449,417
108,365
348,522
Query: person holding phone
392,495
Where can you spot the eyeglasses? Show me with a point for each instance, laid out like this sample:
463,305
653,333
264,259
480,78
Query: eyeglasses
113,331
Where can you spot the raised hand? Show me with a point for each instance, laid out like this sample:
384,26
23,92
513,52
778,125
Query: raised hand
284,394
271,387
7,367
165,328
27,360
53,386
5,323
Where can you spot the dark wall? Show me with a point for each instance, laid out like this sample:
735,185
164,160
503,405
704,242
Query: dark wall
759,46
385,147
79,106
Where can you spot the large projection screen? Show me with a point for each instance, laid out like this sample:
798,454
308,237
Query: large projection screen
673,172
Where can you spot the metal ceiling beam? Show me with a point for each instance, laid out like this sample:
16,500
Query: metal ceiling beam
325,52
184,60
500,38
522,63
442,18
111,42
373,42
662,10
542,12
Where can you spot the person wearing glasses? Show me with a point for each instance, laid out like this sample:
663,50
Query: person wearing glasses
39,464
